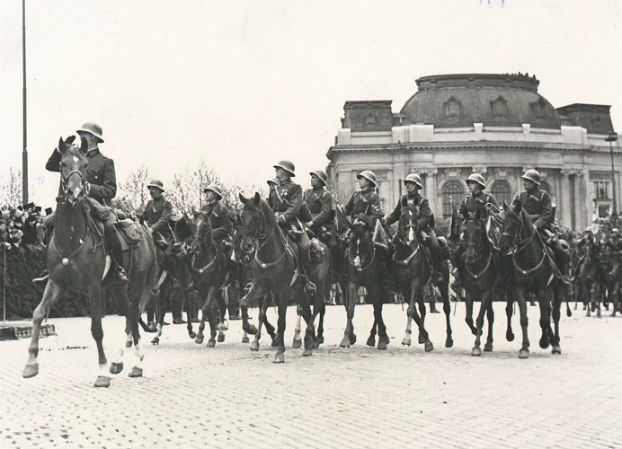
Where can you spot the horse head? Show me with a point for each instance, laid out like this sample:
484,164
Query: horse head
202,238
254,222
511,227
474,237
73,166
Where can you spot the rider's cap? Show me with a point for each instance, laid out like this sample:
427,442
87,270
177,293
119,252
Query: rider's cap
415,179
156,184
369,175
320,174
288,166
477,179
93,129
532,175
213,188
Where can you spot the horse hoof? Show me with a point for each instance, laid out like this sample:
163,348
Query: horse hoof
382,344
245,339
155,341
199,339
211,343
31,370
320,340
102,381
371,341
221,338
449,342
557,349
223,327
274,343
406,340
488,347
421,339
307,353
250,329
523,354
136,372
116,368
544,343
476,351
345,342
254,346
509,336
297,343
192,335
279,357
352,338
428,346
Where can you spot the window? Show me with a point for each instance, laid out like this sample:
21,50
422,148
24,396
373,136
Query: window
499,108
453,191
502,191
602,190
452,109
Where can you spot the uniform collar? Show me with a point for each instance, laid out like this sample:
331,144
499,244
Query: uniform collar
92,152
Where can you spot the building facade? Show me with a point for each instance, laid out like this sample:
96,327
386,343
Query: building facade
494,124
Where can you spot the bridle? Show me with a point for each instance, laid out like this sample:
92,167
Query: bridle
481,243
261,239
520,245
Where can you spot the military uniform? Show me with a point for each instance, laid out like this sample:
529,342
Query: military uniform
286,201
367,203
472,205
220,220
157,214
538,206
418,205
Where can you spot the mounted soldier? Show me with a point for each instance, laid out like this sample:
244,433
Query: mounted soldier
319,201
157,214
419,207
101,188
537,204
220,216
365,201
473,206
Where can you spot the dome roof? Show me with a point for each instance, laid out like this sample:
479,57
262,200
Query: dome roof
492,99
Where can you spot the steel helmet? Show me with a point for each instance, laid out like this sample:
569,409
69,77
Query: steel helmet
156,184
321,175
415,179
93,129
213,188
532,175
369,175
477,179
288,166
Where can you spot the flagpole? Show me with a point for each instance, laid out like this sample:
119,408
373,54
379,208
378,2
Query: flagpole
24,110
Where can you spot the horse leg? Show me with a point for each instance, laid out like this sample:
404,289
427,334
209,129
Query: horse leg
309,340
50,295
320,325
556,312
96,298
191,303
468,317
297,342
422,310
490,314
383,338
524,323
406,340
256,291
349,338
509,335
213,315
479,324
204,313
160,311
116,366
281,298
412,311
371,340
254,346
449,341
222,324
545,319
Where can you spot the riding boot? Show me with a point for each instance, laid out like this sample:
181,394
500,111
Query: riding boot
113,249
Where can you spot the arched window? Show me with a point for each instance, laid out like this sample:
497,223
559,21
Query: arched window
502,191
452,191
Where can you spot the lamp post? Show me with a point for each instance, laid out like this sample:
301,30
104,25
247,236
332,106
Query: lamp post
24,110
613,137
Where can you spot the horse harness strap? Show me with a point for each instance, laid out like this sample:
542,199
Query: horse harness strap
483,271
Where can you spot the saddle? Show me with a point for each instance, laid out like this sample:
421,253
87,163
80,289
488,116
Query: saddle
131,233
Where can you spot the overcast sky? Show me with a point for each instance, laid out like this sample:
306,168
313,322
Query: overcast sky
243,84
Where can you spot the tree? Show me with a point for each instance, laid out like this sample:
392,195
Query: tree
132,192
11,188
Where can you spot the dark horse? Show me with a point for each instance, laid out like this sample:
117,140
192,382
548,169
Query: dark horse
208,266
362,263
534,271
412,263
274,268
76,260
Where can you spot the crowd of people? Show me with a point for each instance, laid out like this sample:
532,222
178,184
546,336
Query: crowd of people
20,225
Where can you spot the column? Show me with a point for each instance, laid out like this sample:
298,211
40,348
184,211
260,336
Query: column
430,190
580,208
564,198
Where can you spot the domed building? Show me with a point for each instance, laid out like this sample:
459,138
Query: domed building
494,124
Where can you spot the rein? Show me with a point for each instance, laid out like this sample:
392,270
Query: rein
262,242
371,259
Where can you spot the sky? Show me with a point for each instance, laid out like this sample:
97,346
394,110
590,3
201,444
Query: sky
244,84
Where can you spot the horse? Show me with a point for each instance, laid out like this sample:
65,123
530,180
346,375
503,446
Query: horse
362,262
412,263
480,273
209,268
76,260
275,271
534,271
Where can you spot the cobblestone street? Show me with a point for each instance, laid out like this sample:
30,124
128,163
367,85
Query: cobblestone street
228,396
